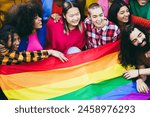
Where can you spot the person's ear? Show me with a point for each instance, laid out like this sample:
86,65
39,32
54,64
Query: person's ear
105,18
9,41
88,16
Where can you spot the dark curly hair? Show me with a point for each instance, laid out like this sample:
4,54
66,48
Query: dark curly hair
23,17
4,33
128,52
114,9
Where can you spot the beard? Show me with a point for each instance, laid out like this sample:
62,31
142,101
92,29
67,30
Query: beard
144,48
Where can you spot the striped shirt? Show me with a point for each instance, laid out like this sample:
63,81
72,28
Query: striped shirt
16,57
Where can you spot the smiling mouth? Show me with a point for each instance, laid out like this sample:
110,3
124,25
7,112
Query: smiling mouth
99,23
16,46
75,22
141,44
126,18
143,2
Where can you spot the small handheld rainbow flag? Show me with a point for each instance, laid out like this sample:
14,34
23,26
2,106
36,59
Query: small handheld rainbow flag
94,74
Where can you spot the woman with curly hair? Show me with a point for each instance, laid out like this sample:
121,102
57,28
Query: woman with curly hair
9,54
27,20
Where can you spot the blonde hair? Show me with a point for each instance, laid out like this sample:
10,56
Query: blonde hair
94,6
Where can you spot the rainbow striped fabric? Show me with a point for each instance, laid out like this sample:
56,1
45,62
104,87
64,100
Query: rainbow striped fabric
90,75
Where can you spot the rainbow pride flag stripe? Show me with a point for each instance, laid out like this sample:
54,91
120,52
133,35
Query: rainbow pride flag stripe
94,74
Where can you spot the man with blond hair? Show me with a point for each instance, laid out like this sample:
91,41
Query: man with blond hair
99,30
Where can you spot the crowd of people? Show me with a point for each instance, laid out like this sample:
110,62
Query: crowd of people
60,27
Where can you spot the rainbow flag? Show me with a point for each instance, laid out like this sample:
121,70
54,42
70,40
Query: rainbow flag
94,74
